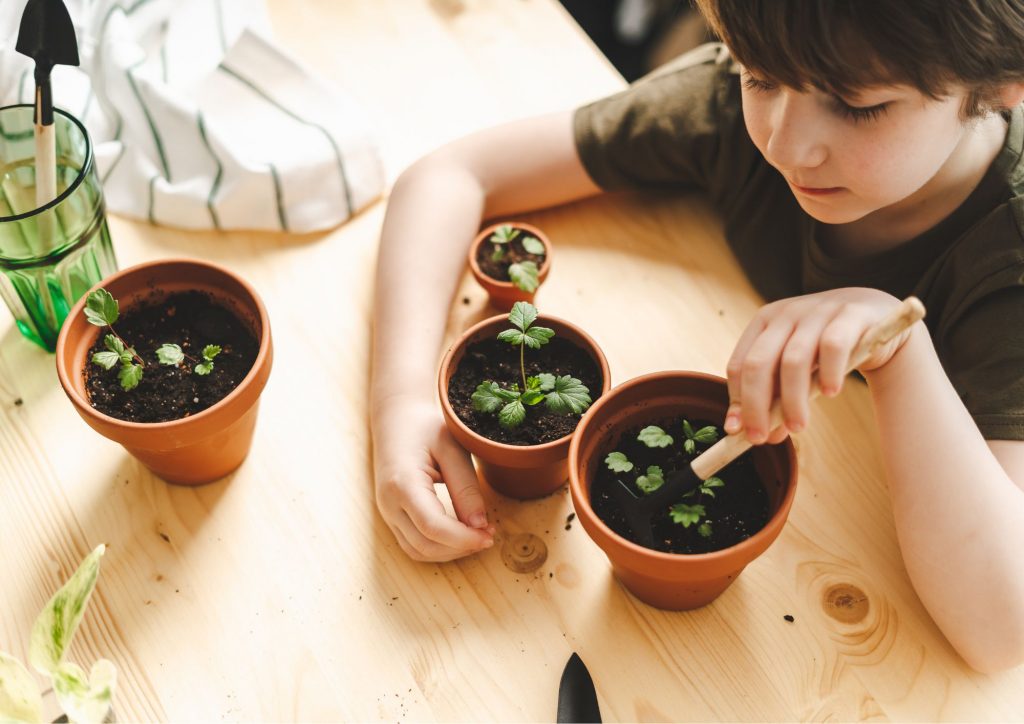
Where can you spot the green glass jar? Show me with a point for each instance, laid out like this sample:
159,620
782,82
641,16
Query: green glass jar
52,254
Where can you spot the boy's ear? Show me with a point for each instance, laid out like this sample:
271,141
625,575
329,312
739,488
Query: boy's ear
1011,95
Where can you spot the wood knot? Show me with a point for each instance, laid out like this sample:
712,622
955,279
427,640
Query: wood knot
846,603
524,553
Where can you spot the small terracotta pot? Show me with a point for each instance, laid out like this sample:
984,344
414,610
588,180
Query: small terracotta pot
518,471
668,580
195,449
504,294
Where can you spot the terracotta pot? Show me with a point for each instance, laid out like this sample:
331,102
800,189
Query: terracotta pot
518,471
199,448
668,580
504,294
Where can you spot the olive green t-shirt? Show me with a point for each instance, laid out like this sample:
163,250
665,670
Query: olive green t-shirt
682,127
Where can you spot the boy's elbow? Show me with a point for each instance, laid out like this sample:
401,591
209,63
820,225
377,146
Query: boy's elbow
1003,649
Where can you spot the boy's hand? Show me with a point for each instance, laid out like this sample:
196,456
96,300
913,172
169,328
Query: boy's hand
786,342
413,450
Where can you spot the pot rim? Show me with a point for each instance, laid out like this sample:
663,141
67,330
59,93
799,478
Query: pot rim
484,233
446,363
584,509
74,317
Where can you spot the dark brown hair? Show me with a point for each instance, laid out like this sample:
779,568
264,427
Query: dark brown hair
843,45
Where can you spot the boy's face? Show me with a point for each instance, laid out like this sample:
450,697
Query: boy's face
845,158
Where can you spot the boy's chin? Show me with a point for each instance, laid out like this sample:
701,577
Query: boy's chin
830,213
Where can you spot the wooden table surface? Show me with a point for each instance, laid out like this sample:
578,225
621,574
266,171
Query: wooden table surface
279,594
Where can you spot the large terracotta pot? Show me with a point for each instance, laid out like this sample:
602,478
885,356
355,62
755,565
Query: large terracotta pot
518,471
199,448
668,580
504,294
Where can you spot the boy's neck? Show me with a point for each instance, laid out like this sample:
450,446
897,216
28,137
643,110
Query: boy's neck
897,224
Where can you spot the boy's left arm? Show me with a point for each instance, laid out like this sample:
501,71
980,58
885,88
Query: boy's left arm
958,500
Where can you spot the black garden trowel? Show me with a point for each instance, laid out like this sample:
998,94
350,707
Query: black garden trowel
639,509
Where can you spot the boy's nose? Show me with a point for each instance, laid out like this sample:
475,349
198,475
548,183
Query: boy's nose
797,134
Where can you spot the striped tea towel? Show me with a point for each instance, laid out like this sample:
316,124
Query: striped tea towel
199,121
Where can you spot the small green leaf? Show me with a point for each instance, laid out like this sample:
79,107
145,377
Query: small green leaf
523,314
170,354
706,435
128,355
654,436
525,275
85,698
687,429
56,624
210,351
486,398
106,360
532,397
20,700
533,245
689,446
130,376
618,462
203,368
704,529
512,336
114,344
100,308
537,337
713,482
686,515
569,395
504,234
498,254
512,414
547,381
653,480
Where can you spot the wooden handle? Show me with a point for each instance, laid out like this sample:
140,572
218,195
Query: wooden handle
731,447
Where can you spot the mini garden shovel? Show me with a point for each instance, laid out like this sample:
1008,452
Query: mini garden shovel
639,509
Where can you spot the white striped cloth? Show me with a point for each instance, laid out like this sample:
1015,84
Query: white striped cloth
199,121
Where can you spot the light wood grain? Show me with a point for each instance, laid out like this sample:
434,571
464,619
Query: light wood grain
278,594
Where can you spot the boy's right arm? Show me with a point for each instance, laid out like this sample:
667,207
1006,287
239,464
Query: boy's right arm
434,211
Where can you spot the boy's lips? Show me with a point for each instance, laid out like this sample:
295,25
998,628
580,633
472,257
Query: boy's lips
816,190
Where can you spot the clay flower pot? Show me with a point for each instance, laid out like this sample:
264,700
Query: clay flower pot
517,471
668,580
504,294
192,450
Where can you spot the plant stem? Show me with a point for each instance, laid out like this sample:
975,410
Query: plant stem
126,346
522,364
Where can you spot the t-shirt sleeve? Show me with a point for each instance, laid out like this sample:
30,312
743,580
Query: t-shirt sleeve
680,126
984,359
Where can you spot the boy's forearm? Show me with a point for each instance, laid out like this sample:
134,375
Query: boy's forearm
433,213
959,517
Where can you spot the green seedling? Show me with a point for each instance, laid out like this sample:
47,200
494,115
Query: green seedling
524,275
560,394
102,310
84,697
706,435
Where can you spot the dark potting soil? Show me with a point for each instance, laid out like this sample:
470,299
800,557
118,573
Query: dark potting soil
191,320
738,509
492,360
514,254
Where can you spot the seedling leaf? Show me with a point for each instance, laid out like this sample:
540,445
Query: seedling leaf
504,234
101,308
512,414
512,336
20,700
686,515
704,529
130,376
706,435
525,275
487,397
210,351
106,360
653,480
547,381
85,698
203,368
568,395
523,314
618,462
531,397
654,436
533,245
537,337
170,354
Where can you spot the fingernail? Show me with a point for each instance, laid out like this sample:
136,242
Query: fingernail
794,426
756,436
732,423
488,543
478,520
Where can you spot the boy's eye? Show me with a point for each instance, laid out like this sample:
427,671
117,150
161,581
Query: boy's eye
859,113
756,84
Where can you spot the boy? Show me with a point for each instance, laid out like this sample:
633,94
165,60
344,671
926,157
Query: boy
859,152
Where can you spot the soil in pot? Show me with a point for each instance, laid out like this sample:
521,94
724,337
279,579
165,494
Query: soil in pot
492,359
191,320
737,510
514,254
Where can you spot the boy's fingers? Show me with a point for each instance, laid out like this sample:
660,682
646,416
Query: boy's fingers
419,548
429,518
463,486
734,368
837,342
795,370
758,378
777,435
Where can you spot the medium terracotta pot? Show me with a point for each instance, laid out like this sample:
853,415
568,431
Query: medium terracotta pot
504,294
518,471
199,448
668,580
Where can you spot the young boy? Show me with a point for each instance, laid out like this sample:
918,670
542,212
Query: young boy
859,152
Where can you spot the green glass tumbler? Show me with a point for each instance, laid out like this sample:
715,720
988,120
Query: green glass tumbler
50,255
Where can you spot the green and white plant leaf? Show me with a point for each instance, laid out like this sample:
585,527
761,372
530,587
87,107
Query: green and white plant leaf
533,245
85,698
170,354
654,436
525,275
20,700
618,462
101,309
504,234
569,395
653,480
